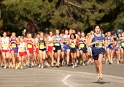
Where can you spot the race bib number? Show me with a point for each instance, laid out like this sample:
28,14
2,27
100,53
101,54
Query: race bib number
72,46
41,45
5,45
81,45
51,44
98,45
21,50
29,46
13,45
57,44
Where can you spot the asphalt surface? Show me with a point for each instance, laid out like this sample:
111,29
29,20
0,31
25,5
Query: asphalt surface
81,76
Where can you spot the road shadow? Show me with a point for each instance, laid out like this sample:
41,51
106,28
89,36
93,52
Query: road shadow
101,82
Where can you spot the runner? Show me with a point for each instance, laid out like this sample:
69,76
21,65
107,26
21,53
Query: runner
89,50
21,51
116,49
66,48
1,59
119,48
57,47
122,47
82,48
36,53
72,43
42,49
50,41
96,41
14,49
5,49
109,47
29,48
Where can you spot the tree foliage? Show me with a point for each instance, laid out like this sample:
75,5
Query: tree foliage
74,14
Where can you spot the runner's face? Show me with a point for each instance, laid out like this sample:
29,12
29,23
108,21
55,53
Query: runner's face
38,35
109,34
72,36
21,39
66,32
79,33
57,32
29,35
4,34
123,34
119,35
73,31
70,31
51,33
97,29
41,34
13,34
82,34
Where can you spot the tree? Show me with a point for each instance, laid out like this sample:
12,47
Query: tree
74,14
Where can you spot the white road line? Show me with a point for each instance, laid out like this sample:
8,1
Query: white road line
64,81
89,75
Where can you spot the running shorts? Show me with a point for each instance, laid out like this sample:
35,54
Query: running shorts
96,52
73,50
22,54
50,48
56,48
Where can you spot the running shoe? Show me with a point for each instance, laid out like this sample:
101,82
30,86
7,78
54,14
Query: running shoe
83,64
30,65
39,66
4,67
73,66
21,67
57,66
9,66
100,77
80,61
42,66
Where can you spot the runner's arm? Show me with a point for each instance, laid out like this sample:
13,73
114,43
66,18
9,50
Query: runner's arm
90,43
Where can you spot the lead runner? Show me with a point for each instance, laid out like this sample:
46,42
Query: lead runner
96,40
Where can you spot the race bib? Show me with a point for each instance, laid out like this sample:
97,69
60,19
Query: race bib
29,46
108,42
41,45
13,45
5,45
81,45
98,45
72,45
21,50
57,44
122,44
51,44
67,42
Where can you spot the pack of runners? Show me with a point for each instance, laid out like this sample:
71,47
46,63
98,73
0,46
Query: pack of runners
68,48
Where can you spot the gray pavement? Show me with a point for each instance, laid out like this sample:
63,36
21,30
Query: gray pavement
81,76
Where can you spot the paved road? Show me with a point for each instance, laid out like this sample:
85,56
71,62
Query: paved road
82,76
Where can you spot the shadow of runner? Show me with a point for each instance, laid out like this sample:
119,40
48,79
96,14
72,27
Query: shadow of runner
101,82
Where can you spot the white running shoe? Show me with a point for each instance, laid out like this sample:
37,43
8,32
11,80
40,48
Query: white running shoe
39,66
4,67
42,66
21,67
73,66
